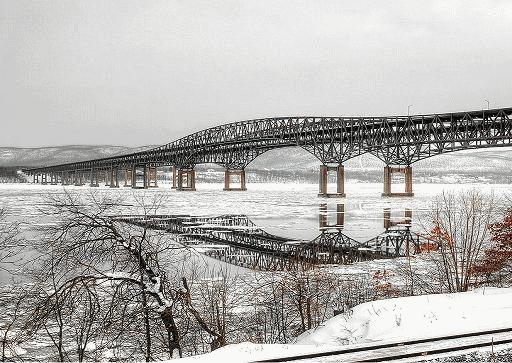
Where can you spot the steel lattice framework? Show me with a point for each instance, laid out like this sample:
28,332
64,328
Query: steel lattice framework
396,140
237,240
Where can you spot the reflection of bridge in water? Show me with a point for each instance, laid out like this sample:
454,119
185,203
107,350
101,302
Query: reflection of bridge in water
235,239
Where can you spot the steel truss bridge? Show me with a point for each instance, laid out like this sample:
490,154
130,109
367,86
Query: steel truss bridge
399,141
235,239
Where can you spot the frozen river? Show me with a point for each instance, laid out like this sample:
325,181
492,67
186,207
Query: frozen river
288,210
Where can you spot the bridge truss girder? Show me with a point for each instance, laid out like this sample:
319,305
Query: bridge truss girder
396,140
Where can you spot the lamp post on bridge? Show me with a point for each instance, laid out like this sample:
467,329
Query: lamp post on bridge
488,104
409,110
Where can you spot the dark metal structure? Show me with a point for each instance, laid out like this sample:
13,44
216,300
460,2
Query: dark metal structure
398,141
237,240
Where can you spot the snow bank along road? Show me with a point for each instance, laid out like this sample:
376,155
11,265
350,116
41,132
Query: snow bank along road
406,349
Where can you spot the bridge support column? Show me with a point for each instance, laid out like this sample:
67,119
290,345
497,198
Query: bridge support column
145,176
228,180
174,178
340,181
128,177
53,179
151,176
114,181
388,176
107,178
187,179
36,178
44,179
93,178
135,179
64,178
79,178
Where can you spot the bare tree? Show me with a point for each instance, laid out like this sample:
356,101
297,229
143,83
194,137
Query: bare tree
119,277
11,252
87,247
11,336
459,228
11,243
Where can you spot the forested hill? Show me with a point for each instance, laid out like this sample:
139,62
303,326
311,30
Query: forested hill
13,156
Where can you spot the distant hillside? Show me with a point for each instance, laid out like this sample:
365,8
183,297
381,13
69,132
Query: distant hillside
12,156
497,159
484,165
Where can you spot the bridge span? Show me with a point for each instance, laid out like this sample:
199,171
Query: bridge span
399,141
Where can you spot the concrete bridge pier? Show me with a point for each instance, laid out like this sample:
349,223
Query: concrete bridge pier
187,179
79,178
128,177
114,181
340,181
44,178
228,179
36,178
93,178
388,176
135,177
53,179
64,179
106,178
174,178
150,176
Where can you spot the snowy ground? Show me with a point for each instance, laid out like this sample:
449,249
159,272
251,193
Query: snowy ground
390,320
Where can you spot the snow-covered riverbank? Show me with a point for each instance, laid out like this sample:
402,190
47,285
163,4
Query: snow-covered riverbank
389,320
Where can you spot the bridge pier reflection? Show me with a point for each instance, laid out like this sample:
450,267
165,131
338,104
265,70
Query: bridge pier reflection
228,179
186,179
388,176
324,179
324,222
398,231
389,222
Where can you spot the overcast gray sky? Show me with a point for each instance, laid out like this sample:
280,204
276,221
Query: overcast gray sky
147,72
